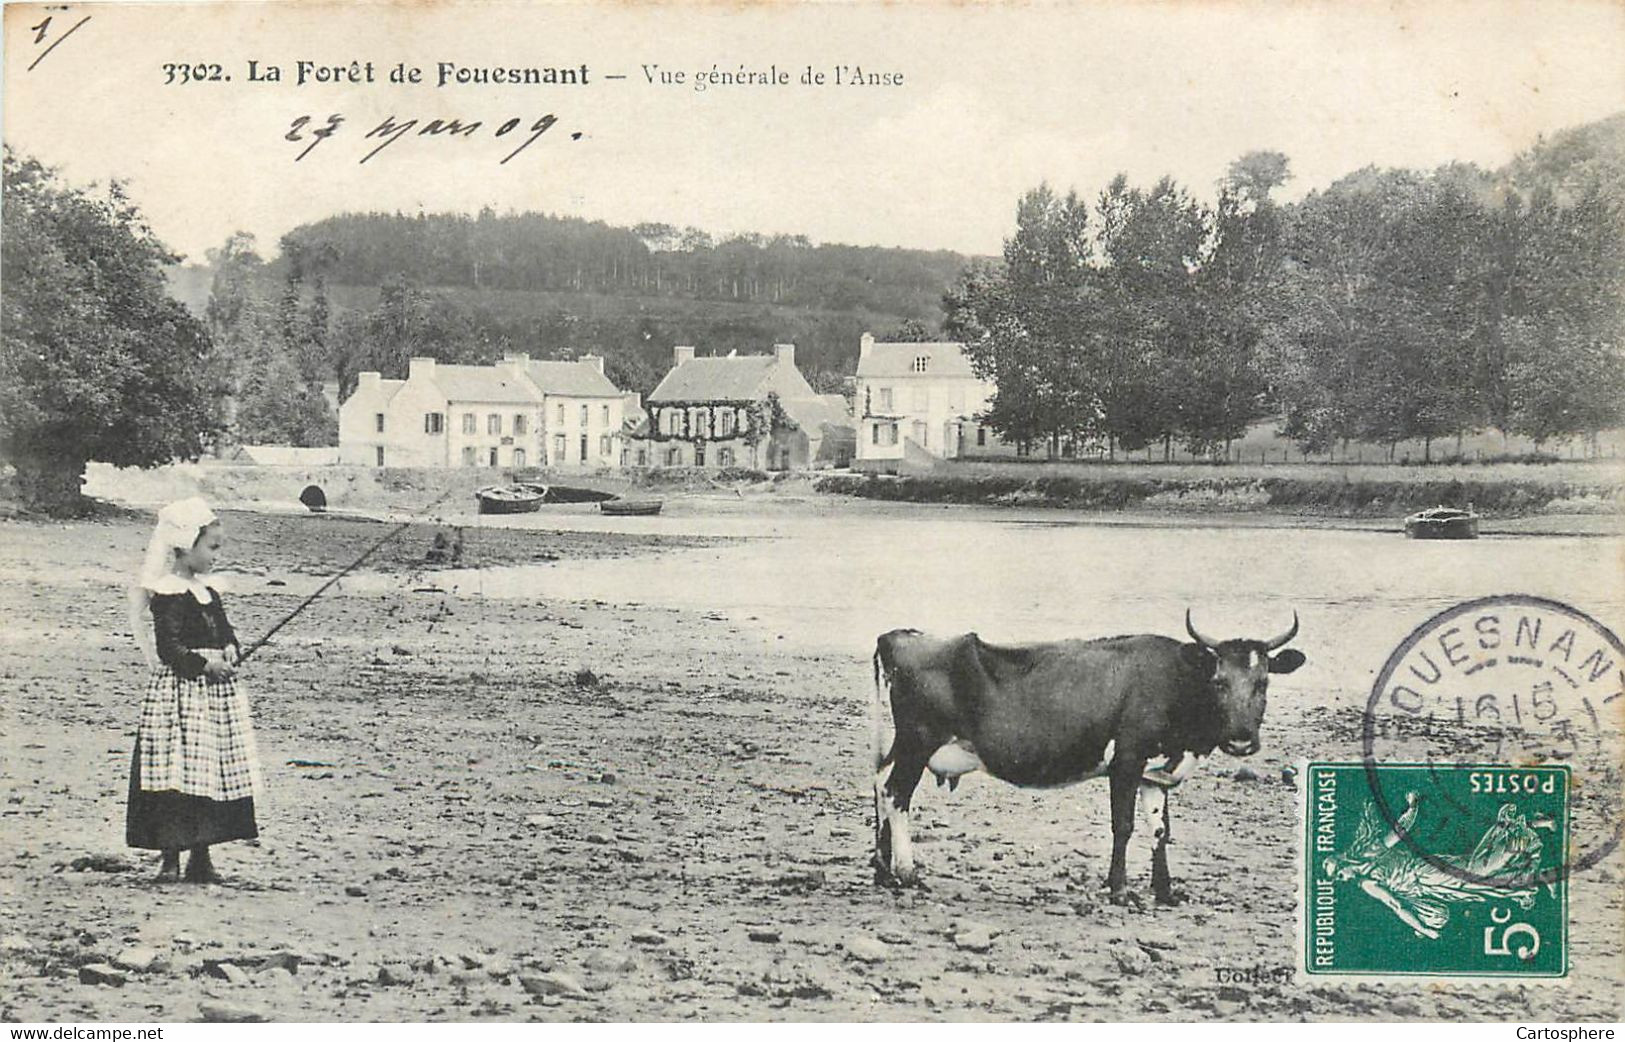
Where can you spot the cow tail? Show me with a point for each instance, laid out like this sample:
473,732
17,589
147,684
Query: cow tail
877,713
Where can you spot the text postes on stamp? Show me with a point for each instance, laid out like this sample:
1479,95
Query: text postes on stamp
1487,901
1514,680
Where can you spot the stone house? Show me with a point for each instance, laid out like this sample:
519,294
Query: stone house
755,411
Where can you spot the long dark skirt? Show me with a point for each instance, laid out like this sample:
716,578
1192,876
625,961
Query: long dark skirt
174,820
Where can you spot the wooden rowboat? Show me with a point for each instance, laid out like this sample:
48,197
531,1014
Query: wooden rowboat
630,507
1442,523
507,499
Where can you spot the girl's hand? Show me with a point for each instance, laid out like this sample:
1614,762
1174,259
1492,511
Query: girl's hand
215,665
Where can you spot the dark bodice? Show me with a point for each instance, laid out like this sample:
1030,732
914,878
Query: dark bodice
181,625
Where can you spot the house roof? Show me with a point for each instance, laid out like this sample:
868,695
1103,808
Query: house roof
814,414
571,379
739,378
946,358
484,383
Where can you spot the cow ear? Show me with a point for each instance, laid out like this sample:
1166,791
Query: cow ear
1199,659
1286,661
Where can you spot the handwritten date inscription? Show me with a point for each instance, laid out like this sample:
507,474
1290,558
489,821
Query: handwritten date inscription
312,132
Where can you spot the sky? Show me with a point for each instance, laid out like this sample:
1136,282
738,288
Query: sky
992,99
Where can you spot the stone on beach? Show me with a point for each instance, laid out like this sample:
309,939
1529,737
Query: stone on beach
865,949
547,985
101,973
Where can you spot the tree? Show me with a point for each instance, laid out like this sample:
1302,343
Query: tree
98,361
1020,323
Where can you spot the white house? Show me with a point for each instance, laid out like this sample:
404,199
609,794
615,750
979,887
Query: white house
582,412
919,401
501,415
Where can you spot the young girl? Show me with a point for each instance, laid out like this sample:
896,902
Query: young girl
195,768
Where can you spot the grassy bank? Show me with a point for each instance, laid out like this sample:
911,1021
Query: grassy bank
1321,490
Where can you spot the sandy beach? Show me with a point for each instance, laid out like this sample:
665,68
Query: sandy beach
626,808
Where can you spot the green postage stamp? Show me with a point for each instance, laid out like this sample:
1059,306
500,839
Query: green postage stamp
1434,870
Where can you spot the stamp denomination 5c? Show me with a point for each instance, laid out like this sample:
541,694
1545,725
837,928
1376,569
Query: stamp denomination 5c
1467,881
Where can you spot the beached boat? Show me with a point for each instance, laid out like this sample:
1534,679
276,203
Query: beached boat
507,499
1442,523
630,507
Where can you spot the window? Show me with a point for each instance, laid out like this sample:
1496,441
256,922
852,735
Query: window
558,448
519,423
674,457
604,446
699,454
380,455
378,419
468,423
702,424
922,434
981,436
725,457
725,423
643,457
583,416
921,363
605,417
468,455
519,457
561,414
493,457
885,434
493,424
885,399
922,399
433,422
583,445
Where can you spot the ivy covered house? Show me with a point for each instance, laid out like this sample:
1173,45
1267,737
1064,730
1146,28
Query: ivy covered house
754,411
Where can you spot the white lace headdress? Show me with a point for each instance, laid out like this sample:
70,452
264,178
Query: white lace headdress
178,527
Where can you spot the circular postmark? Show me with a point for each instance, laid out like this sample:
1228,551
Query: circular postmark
1508,681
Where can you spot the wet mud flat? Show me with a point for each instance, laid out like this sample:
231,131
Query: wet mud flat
578,810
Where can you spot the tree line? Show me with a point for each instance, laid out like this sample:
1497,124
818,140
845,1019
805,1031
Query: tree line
537,252
1392,305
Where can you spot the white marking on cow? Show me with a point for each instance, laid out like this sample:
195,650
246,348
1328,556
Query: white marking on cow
1153,804
1174,770
902,845
954,759
1103,768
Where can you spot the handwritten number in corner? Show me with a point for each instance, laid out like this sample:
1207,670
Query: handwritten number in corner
42,30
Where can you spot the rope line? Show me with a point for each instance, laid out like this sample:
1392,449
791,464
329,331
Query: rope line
324,587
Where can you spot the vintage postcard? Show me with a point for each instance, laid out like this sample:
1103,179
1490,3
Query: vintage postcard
862,512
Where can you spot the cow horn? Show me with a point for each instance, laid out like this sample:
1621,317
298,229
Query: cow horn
1206,642
1271,645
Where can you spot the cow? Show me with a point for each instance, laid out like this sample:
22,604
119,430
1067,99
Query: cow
1046,715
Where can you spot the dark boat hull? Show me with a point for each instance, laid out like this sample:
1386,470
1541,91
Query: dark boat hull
512,504
1449,528
630,507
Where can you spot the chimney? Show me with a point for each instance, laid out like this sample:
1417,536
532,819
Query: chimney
633,401
520,359
866,344
785,354
682,353
368,381
596,361
420,367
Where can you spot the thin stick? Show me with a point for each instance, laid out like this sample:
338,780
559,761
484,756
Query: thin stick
352,566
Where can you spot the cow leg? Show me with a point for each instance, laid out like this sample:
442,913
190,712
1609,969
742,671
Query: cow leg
1154,807
1125,782
898,794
